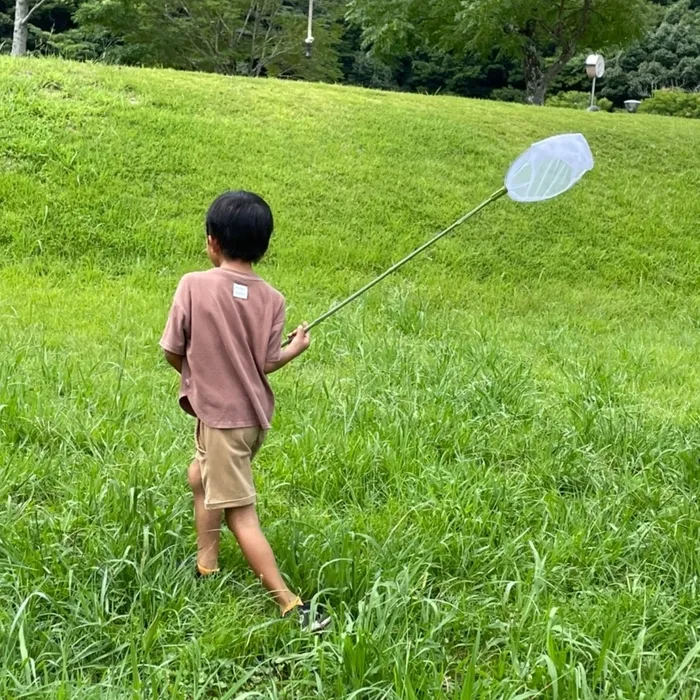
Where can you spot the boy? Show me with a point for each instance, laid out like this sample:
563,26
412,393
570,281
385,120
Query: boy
223,336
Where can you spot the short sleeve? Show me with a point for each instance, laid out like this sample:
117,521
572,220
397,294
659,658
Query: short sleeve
177,328
274,345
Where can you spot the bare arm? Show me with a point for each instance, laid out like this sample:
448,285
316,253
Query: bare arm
174,360
301,342
285,358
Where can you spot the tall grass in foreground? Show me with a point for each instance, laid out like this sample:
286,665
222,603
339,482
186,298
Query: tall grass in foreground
488,469
478,529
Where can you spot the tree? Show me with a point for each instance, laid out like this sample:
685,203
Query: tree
234,37
544,35
48,21
20,32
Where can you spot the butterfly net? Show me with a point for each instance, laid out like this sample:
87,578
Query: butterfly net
549,168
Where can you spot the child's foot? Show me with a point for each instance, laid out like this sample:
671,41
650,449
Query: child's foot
312,620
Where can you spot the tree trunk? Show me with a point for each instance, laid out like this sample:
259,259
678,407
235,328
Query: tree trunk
536,80
21,32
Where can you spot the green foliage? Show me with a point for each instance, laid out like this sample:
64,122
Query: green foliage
673,103
570,100
530,30
250,37
578,100
236,37
437,71
669,56
6,25
573,77
508,94
369,71
488,468
516,24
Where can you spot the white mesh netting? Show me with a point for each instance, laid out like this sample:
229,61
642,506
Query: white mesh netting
549,168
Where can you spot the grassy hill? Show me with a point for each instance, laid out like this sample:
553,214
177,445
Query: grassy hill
488,468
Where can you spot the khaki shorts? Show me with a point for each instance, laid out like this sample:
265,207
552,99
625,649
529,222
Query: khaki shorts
224,458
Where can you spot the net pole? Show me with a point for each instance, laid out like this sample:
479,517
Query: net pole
396,266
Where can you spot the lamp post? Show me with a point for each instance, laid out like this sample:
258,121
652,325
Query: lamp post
309,41
595,68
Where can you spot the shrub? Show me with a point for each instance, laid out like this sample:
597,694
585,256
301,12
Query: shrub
570,100
605,104
673,103
508,94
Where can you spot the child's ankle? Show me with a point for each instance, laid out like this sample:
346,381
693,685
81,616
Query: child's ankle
289,605
206,571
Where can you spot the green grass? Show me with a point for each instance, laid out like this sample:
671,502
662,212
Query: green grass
488,468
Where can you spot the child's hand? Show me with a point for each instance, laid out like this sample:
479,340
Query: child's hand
300,339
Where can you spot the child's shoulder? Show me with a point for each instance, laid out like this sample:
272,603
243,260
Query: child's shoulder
191,285
197,275
189,277
198,278
275,294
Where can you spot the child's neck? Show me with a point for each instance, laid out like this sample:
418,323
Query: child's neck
236,266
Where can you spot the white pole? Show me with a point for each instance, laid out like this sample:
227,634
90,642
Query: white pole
309,35
309,41
593,92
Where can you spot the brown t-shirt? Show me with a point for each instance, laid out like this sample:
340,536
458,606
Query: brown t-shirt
227,325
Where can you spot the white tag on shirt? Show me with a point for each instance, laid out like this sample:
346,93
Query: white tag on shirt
240,291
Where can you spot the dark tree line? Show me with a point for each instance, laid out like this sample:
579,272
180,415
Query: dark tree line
504,49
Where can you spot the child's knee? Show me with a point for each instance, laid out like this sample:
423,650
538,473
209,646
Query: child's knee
240,520
194,477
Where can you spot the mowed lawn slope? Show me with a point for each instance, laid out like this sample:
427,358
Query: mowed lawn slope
488,468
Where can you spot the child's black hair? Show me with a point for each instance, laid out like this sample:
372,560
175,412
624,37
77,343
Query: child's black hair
242,224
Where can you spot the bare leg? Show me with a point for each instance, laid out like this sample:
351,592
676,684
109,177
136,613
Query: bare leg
207,522
243,523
